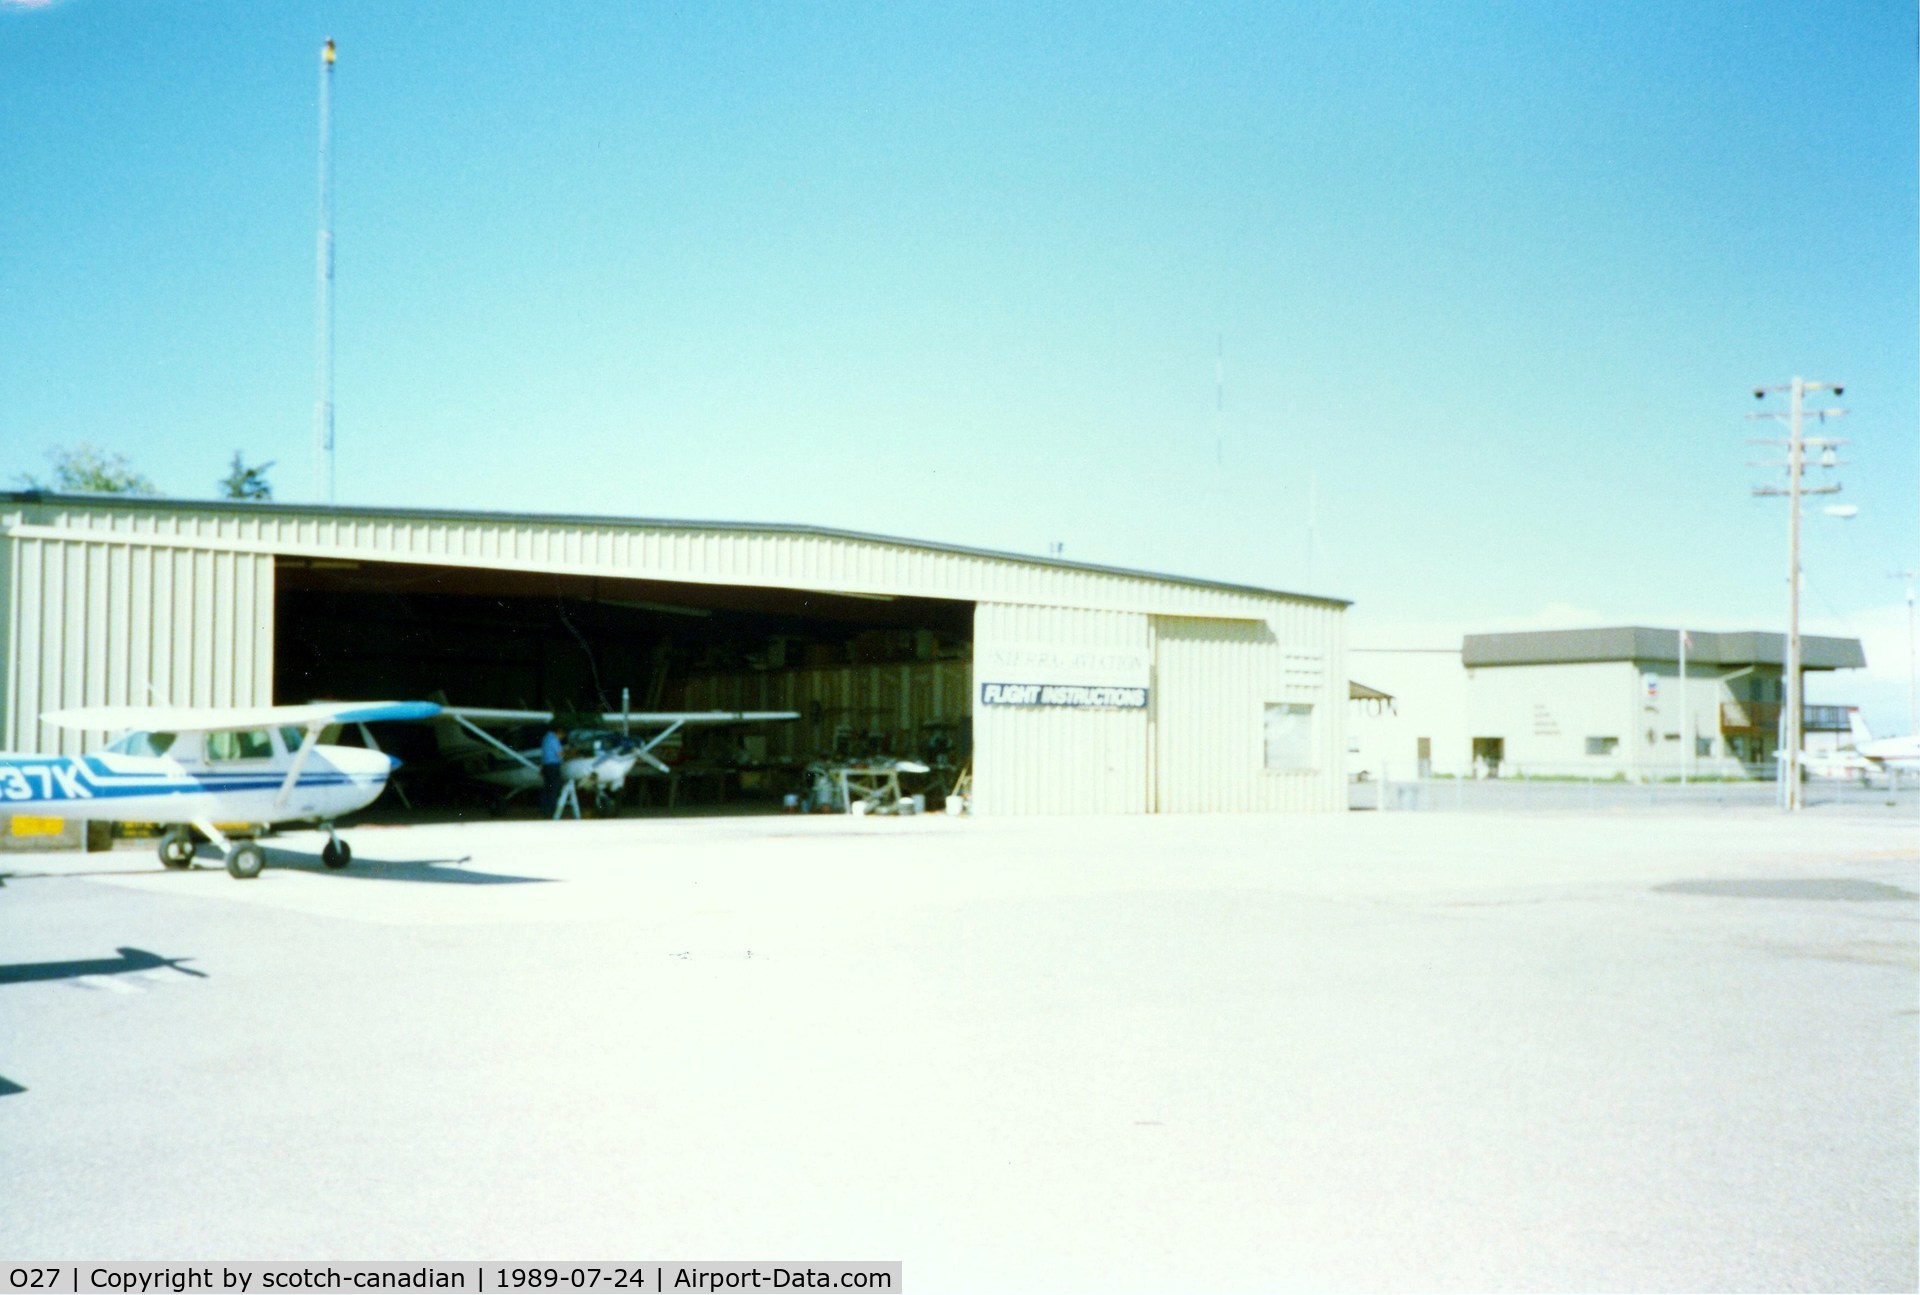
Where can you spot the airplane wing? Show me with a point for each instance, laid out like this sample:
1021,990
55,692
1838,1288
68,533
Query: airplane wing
202,719
476,719
670,722
654,718
485,715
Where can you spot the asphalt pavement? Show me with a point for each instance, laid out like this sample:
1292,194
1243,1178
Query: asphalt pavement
1369,1051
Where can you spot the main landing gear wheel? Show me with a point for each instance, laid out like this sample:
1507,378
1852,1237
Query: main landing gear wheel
336,854
176,849
245,860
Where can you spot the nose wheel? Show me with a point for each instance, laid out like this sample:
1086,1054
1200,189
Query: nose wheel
335,853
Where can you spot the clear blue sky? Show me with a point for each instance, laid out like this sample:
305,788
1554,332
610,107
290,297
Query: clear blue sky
1500,277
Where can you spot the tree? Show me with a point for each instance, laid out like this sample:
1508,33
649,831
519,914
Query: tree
243,482
88,469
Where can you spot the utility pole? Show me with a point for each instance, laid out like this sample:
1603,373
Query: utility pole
1913,671
1797,444
323,322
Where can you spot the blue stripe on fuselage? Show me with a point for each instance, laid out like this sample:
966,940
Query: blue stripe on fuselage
64,778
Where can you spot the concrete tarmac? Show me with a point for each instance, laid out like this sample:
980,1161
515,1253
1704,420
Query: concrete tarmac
1354,1052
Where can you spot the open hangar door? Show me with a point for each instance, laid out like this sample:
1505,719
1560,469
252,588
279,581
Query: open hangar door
869,676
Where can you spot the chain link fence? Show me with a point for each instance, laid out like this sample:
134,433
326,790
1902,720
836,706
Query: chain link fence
1896,792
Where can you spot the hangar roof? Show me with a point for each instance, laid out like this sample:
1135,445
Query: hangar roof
1638,643
152,505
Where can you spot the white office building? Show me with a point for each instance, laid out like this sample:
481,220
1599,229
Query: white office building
1598,703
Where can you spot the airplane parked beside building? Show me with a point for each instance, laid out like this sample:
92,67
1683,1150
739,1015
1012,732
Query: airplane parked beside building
193,767
1890,754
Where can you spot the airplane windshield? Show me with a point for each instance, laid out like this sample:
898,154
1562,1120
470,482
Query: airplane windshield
143,744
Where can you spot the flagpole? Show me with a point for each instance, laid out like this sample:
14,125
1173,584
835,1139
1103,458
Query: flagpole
1686,715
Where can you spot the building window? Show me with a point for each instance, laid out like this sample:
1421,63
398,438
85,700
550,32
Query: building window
1703,746
1289,736
1602,745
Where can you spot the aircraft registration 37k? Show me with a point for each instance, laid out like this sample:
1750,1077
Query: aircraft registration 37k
48,781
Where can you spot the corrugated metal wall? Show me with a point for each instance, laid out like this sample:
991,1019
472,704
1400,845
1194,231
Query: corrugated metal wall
1197,747
1051,760
117,623
1214,679
1206,722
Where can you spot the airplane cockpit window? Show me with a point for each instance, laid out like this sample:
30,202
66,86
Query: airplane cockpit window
292,737
240,744
143,744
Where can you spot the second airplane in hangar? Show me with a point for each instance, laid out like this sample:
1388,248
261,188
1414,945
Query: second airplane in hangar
609,757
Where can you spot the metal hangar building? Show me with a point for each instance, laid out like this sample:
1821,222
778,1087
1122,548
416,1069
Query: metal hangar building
1067,688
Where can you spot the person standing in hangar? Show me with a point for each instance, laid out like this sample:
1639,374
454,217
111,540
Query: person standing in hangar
552,750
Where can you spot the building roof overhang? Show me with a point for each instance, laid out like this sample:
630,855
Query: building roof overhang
1638,643
153,504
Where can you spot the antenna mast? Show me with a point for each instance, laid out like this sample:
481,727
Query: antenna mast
1219,397
323,271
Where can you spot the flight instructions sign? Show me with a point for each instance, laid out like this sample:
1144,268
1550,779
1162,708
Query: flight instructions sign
1049,674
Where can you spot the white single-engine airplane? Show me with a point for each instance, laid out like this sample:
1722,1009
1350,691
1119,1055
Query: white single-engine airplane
190,767
603,770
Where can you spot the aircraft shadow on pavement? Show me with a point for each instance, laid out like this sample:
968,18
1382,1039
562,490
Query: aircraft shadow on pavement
443,871
8,1088
1815,888
21,973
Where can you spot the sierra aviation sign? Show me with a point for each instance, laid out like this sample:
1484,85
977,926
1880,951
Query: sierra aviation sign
1047,674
